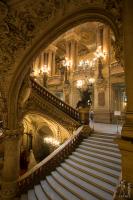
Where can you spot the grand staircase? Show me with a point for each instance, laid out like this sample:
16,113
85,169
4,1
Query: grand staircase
43,101
90,172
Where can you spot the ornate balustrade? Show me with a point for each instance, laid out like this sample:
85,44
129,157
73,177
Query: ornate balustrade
44,168
114,64
1,138
45,94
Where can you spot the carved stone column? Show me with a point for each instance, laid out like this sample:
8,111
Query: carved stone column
51,50
42,60
72,49
45,58
126,142
102,86
71,55
128,58
11,169
100,35
50,61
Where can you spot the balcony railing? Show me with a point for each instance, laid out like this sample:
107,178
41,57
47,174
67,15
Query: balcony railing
45,94
44,168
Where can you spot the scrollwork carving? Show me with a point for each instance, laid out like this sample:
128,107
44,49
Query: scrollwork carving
19,27
115,8
86,2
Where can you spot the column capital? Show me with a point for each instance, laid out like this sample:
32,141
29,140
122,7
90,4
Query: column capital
72,36
127,130
13,133
51,47
9,189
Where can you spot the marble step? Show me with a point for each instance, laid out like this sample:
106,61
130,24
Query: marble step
24,197
98,155
104,177
31,195
98,161
102,139
100,151
102,143
77,191
88,178
40,193
62,191
88,187
99,146
96,167
48,190
104,135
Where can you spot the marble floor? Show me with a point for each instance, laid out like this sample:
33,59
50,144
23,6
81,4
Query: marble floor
107,128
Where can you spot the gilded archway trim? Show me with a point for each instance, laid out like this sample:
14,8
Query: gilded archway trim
49,35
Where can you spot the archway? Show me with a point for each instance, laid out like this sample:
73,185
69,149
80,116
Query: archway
48,36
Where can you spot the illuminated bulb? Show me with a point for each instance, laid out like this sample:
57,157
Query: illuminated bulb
91,80
79,83
51,140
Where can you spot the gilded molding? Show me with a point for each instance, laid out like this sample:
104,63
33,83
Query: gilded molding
39,105
19,27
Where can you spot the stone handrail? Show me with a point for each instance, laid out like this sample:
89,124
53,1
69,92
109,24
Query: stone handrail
44,168
1,138
115,64
45,94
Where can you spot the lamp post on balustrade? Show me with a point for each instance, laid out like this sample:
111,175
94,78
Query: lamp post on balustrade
100,55
84,106
45,73
65,72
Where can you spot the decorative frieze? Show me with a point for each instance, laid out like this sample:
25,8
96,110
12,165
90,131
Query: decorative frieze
19,27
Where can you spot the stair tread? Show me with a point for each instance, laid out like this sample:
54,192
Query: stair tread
60,189
108,153
82,194
97,160
104,157
49,191
95,166
94,190
88,178
103,139
24,197
112,149
39,193
105,135
31,195
100,175
100,142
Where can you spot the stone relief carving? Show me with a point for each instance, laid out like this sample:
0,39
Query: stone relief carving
86,2
19,27
115,8
35,103
25,91
101,98
101,84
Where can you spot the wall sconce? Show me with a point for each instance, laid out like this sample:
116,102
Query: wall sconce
65,69
91,81
51,140
79,84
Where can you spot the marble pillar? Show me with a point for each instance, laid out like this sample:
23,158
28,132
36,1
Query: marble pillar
126,141
72,55
128,59
11,167
50,61
102,86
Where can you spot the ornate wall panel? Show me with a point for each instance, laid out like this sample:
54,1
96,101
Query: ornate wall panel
28,26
